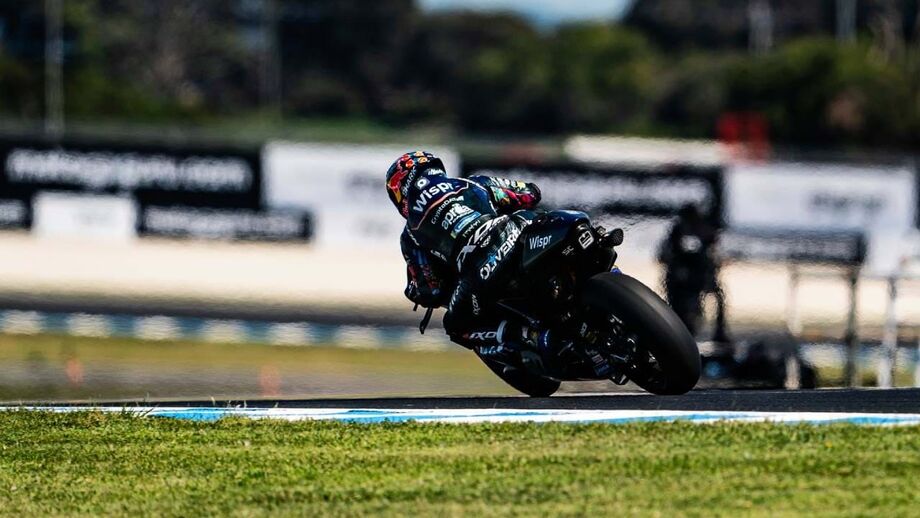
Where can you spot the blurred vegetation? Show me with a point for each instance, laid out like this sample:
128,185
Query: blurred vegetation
388,63
57,367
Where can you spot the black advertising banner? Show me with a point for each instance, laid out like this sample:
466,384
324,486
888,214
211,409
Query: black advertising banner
15,207
617,191
202,192
229,224
833,248
152,174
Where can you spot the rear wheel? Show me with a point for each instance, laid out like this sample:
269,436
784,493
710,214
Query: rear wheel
523,380
665,357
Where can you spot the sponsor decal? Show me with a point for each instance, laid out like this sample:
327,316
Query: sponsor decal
444,206
426,196
484,336
475,301
486,271
456,211
569,250
586,239
463,222
480,238
538,242
422,183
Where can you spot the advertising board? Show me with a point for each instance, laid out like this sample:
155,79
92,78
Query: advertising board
342,186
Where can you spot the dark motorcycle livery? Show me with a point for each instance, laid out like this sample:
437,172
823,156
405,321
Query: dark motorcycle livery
612,326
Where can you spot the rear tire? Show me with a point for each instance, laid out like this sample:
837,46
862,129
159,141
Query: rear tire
522,380
659,329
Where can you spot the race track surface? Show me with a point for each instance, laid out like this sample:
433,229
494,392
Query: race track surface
894,401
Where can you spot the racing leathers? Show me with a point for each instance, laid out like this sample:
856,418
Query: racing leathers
458,239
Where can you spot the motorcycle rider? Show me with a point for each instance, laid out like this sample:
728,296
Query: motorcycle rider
457,242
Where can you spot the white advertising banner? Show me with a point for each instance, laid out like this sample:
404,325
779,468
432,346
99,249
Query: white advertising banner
60,214
821,197
880,201
342,186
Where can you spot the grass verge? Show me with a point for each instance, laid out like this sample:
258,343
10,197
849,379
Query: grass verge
89,463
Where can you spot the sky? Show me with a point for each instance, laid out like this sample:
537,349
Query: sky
543,12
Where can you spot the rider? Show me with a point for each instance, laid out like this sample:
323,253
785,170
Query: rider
459,238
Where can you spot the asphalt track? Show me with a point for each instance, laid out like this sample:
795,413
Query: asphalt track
892,401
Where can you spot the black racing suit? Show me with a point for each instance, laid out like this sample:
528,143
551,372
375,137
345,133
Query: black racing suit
458,238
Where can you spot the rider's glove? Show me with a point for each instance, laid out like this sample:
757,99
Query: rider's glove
425,296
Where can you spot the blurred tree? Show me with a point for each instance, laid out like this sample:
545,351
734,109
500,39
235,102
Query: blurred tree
157,58
22,34
724,24
604,78
484,72
672,68
693,93
20,89
353,45
818,92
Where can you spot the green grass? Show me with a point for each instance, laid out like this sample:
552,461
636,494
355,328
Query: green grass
94,464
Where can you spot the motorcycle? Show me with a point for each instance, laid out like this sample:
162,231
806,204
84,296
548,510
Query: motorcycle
612,325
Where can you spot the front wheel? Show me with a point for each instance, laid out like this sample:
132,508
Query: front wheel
666,358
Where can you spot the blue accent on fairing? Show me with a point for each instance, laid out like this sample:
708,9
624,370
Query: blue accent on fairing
615,270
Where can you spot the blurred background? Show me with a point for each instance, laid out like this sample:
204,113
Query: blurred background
192,202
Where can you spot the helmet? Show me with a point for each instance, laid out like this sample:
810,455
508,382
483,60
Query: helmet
405,171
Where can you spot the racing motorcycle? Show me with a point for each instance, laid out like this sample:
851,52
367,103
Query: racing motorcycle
612,325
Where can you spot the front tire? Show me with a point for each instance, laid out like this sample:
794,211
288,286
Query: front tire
658,329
